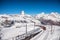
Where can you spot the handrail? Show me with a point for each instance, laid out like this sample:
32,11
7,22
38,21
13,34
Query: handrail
40,36
25,35
34,38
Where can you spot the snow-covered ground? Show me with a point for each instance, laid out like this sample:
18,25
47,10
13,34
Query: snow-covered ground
13,32
48,35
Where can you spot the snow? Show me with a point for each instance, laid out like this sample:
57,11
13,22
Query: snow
55,34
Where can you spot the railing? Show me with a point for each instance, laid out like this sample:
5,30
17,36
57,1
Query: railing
25,34
37,36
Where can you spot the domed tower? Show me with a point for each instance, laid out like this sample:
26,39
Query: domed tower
22,12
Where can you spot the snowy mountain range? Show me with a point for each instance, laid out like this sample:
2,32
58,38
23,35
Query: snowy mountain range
53,17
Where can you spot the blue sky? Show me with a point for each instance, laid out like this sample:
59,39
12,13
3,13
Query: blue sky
29,6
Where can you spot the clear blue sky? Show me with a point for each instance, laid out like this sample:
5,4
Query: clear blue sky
29,6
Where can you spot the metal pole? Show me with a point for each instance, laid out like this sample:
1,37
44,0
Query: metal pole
26,29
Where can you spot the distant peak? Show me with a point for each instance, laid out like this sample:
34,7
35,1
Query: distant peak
52,12
42,13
